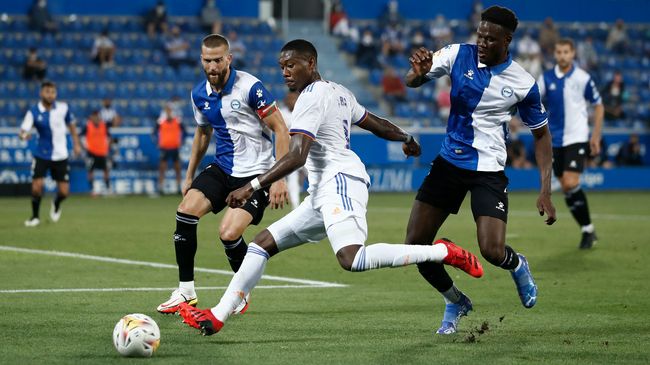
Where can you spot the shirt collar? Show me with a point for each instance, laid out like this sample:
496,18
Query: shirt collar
229,84
560,74
497,69
42,108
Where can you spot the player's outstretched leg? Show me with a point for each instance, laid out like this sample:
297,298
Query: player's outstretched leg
453,313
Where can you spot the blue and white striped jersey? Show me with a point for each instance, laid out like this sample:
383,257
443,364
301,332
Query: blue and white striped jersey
51,126
244,144
565,97
483,100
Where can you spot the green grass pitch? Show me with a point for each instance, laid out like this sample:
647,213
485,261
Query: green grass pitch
592,306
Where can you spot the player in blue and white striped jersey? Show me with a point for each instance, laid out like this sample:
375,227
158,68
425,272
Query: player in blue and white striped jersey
487,89
567,90
241,113
51,118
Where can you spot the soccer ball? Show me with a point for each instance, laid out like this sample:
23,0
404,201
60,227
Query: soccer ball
136,335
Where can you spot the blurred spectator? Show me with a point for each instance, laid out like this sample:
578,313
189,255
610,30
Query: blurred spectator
339,23
103,50
443,97
392,43
393,88
587,55
178,49
630,154
475,16
391,16
211,17
601,160
98,148
112,119
34,68
175,104
40,18
440,32
617,38
614,96
516,149
237,49
170,134
529,55
548,36
367,50
156,19
417,41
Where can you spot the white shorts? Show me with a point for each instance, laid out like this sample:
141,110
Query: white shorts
339,202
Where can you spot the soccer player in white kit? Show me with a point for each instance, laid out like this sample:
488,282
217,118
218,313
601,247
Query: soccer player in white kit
338,190
566,89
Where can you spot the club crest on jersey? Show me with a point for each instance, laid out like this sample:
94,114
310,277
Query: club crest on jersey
235,104
469,74
507,91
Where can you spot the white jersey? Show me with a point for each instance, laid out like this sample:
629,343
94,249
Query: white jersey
52,127
325,112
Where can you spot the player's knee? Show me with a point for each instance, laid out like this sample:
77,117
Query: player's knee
266,241
493,253
346,256
227,233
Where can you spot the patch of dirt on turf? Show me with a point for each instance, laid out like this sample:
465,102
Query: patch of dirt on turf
477,332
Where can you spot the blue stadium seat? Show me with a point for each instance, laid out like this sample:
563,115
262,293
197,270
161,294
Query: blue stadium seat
404,110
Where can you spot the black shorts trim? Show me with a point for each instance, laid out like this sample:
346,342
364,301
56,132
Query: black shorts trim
97,162
59,170
169,155
215,184
570,158
446,185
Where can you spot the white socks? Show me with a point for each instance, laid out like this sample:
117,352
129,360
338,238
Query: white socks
187,288
391,255
244,280
588,228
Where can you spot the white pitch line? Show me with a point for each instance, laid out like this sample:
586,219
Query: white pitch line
100,290
321,284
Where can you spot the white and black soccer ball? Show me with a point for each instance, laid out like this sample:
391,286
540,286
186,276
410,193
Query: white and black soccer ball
136,335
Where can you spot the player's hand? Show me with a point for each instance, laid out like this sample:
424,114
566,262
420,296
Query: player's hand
412,148
594,145
278,194
421,61
545,205
186,186
237,198
76,150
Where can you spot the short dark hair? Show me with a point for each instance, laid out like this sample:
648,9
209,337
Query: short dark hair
501,16
301,46
215,40
47,83
566,42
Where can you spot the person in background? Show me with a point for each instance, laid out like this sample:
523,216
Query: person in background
177,48
238,50
103,50
393,88
169,133
40,18
98,142
617,39
631,153
211,17
614,95
156,19
34,68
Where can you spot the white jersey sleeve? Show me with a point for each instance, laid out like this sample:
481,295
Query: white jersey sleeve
359,113
28,121
443,60
308,113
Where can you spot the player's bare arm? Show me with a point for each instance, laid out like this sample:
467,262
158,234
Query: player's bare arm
76,144
24,135
278,193
383,128
596,133
421,61
294,159
543,156
200,145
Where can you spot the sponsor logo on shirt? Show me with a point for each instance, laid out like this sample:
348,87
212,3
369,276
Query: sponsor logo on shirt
469,74
206,106
552,86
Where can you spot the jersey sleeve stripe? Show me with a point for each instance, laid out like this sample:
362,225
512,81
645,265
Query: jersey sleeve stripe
539,125
365,115
302,131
